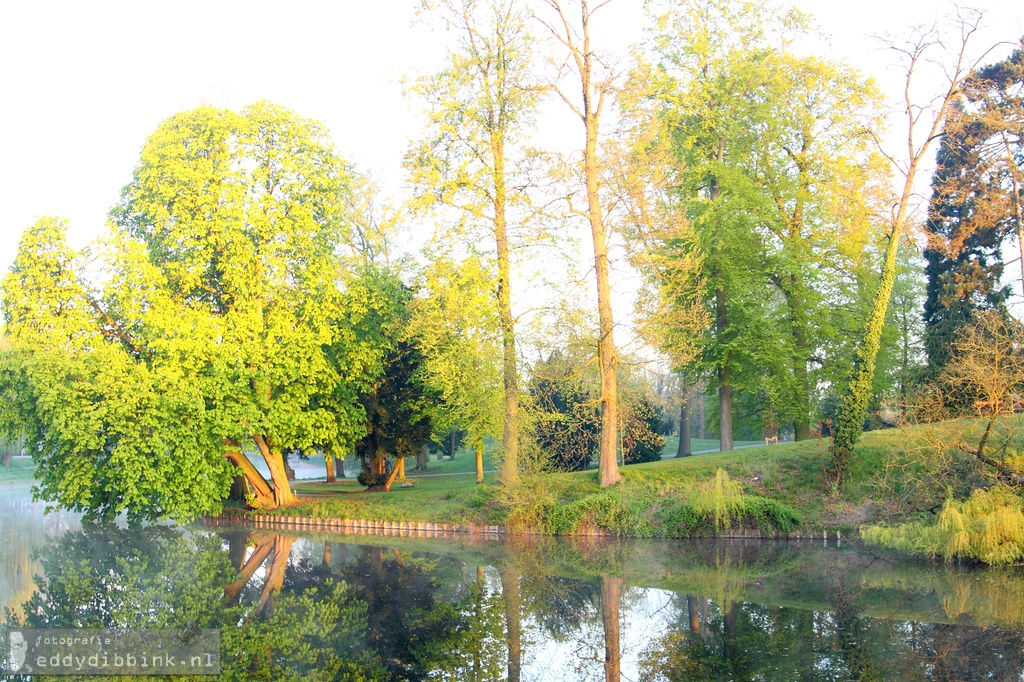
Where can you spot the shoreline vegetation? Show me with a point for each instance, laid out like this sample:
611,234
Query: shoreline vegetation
767,491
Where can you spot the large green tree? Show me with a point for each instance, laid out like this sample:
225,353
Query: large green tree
197,328
472,157
776,178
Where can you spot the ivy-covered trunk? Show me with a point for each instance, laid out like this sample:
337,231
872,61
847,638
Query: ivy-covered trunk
854,403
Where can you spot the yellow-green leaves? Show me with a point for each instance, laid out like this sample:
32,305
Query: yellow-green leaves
200,323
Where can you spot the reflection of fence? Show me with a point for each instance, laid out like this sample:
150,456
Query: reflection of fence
411,529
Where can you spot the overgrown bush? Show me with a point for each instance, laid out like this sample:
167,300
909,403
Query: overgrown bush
987,527
720,499
370,479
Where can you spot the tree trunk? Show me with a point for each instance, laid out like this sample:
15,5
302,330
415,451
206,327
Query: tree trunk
478,449
259,554
329,461
510,433
729,642
593,95
684,449
239,489
422,458
451,445
275,576
400,468
721,326
694,614
275,462
7,460
262,494
700,415
289,472
611,593
801,355
724,411
399,465
513,628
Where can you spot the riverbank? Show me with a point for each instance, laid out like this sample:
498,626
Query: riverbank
782,486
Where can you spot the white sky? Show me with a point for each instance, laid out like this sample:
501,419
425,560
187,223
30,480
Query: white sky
83,83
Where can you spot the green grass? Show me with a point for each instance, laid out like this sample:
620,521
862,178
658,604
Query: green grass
779,483
699,444
20,471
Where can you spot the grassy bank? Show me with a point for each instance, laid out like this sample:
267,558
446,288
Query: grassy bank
20,471
782,487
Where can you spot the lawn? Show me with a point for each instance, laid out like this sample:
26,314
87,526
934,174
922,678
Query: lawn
20,471
784,485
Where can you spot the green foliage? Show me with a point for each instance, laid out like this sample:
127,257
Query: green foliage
770,159
455,320
975,205
398,405
207,329
641,421
371,479
721,499
987,527
566,420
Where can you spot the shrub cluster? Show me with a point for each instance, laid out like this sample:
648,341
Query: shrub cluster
987,527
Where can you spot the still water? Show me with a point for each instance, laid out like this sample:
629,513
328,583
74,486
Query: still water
295,606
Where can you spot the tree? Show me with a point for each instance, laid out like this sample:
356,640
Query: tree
208,330
976,203
398,404
596,89
568,425
776,177
471,160
459,327
915,52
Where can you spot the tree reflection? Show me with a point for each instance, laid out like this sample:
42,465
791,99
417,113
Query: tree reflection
292,608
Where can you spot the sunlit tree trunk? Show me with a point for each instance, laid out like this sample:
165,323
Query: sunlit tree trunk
329,460
275,576
275,462
510,434
478,449
233,592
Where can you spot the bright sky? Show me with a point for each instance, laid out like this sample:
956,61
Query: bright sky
84,83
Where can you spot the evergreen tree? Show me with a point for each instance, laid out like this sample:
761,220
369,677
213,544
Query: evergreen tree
976,204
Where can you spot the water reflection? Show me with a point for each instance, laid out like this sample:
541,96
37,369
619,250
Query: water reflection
319,607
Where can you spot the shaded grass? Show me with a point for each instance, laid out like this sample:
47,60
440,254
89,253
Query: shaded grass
20,471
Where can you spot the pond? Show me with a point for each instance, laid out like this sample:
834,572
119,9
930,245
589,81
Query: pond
310,606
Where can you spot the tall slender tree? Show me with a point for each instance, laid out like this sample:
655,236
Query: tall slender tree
596,84
472,156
